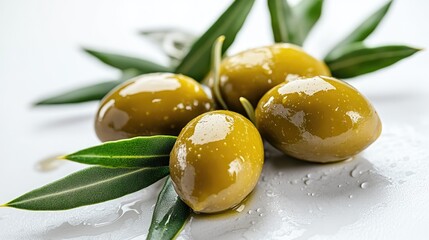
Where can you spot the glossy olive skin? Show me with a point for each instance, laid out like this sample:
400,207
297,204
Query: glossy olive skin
216,161
319,119
150,104
252,73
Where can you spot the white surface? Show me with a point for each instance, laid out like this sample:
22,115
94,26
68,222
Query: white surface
383,192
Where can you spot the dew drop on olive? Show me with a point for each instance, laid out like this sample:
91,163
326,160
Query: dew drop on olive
318,119
216,161
150,104
253,72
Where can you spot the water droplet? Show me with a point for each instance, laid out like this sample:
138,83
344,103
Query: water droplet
270,193
350,196
308,181
258,210
364,185
295,181
355,172
339,185
261,214
249,212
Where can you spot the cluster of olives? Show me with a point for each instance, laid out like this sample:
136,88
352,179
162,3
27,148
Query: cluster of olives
218,156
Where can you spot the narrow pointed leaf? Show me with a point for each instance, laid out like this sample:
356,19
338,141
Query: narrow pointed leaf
88,186
361,32
282,21
124,62
83,94
170,214
88,93
135,152
196,63
307,13
358,59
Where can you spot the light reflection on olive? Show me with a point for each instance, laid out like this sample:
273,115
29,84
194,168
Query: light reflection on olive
151,104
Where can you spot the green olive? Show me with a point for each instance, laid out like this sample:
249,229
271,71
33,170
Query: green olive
318,119
151,104
216,161
252,73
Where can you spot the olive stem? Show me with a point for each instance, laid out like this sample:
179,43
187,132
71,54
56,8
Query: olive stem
249,109
216,61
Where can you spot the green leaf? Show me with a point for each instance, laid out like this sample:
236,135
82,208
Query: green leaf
361,32
170,214
88,93
88,186
196,63
82,94
292,25
124,62
282,21
358,59
135,152
307,13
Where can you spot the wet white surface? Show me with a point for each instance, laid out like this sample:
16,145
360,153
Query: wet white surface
380,194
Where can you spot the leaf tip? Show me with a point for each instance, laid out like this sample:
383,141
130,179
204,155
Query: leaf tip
89,51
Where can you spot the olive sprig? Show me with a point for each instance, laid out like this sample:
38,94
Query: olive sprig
350,57
195,63
290,24
120,168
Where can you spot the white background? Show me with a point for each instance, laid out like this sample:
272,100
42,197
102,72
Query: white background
40,55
